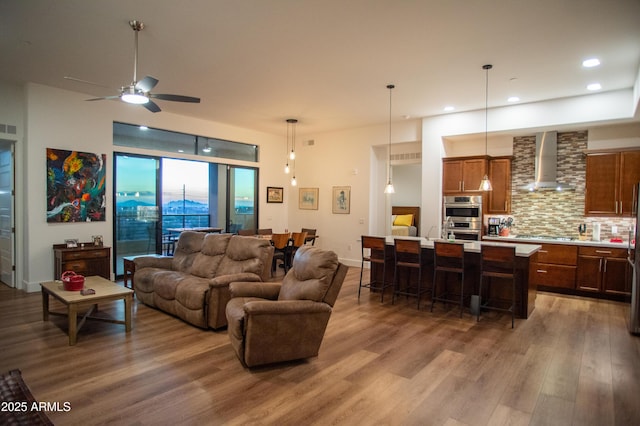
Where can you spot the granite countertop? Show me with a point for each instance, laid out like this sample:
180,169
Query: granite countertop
576,242
522,250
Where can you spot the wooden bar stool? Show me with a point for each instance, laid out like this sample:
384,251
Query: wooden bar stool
447,258
498,262
408,254
376,255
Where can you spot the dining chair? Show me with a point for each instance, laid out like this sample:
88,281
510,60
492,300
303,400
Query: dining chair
297,241
408,256
280,244
448,258
311,235
499,263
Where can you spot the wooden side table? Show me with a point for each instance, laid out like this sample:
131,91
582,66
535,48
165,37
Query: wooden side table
129,268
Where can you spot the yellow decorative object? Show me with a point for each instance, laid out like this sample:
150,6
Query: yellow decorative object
403,220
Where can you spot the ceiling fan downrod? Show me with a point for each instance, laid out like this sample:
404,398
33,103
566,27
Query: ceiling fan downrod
137,26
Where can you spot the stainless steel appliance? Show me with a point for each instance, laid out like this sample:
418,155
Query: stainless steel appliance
493,224
634,320
463,217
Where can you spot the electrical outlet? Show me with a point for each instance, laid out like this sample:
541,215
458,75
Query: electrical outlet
614,229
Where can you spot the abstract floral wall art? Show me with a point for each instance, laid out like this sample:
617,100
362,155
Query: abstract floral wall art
75,186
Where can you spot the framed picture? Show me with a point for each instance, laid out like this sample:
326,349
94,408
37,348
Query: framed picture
71,243
75,186
274,194
308,198
97,240
341,203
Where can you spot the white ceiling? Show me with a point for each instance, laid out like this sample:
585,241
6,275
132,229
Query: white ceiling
255,63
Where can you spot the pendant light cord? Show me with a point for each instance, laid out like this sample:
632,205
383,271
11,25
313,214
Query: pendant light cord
390,87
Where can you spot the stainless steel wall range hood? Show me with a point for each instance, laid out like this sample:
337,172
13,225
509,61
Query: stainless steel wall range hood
546,164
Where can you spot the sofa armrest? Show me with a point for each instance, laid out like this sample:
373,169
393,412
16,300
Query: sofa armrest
284,307
269,291
225,280
163,262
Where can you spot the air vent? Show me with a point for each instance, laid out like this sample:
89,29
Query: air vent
8,128
405,156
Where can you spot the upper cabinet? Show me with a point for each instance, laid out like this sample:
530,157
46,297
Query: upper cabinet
610,183
500,177
463,174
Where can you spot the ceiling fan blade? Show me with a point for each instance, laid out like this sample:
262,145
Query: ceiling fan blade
175,98
151,106
103,98
146,84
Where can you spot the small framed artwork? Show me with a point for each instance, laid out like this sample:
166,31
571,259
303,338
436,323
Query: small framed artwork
274,194
97,240
308,198
341,203
71,243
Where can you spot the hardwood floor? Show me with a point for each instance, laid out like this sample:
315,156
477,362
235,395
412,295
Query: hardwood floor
572,362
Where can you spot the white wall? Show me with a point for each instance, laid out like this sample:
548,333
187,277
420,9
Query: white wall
62,119
345,158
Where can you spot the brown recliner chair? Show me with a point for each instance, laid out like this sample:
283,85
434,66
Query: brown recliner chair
274,322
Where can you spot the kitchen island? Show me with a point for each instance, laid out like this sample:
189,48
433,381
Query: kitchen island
525,293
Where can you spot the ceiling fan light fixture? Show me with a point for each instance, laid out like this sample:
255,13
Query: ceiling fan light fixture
132,96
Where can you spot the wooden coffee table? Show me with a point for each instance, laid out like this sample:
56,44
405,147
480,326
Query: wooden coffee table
106,291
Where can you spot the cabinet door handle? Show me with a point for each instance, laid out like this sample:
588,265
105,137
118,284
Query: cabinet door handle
603,251
600,266
541,271
459,185
616,207
605,265
505,206
543,251
462,185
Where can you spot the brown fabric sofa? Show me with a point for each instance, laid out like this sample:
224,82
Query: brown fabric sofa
193,284
274,322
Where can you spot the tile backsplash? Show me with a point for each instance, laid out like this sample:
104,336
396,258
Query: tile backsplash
556,213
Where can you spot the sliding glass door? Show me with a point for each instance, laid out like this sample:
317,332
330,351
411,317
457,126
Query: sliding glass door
136,207
242,198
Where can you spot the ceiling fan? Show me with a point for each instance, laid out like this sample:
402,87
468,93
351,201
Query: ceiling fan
139,92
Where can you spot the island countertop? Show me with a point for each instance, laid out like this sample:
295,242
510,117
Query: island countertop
522,250
541,240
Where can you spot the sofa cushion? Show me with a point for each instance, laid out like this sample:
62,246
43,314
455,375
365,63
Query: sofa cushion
165,283
189,244
206,262
192,292
244,254
311,275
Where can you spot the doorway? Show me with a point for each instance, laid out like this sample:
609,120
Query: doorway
7,215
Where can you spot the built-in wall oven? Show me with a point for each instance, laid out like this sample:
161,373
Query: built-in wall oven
463,217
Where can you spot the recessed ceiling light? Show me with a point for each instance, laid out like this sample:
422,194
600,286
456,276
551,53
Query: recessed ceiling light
513,99
594,86
144,128
449,108
591,62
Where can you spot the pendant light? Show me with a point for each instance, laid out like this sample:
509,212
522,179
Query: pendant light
286,152
389,189
485,184
291,133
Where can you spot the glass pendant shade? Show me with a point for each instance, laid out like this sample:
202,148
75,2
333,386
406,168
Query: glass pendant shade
485,184
286,169
293,181
389,189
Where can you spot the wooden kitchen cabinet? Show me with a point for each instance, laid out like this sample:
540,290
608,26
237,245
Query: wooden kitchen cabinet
555,266
604,270
463,174
610,182
87,260
500,175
